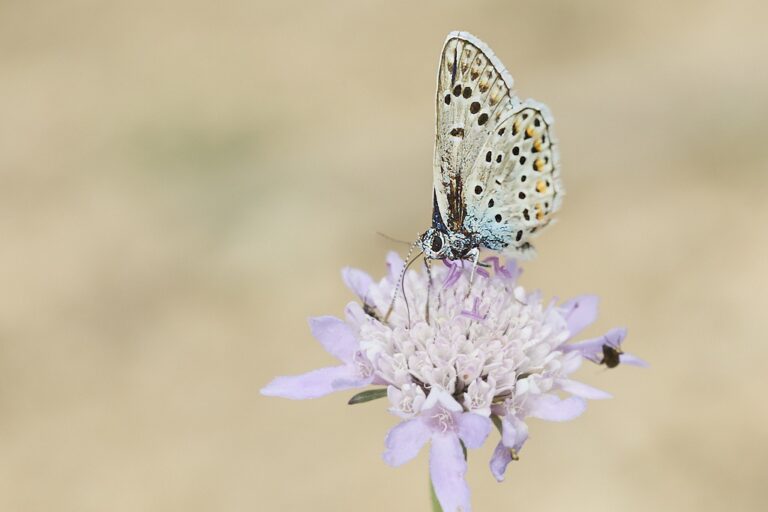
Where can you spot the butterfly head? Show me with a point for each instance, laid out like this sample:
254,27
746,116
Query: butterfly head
439,245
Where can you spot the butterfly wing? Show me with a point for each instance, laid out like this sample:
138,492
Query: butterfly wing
473,94
486,141
515,188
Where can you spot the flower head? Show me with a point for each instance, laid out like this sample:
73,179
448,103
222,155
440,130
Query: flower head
455,354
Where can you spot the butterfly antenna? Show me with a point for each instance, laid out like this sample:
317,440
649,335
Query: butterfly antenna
391,239
400,283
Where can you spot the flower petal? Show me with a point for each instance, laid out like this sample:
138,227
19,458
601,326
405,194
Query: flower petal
580,312
315,384
499,461
404,441
355,313
357,281
583,390
627,358
592,349
473,429
395,264
442,397
335,336
615,336
514,432
571,362
447,468
552,408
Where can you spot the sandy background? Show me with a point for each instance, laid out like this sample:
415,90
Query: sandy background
180,183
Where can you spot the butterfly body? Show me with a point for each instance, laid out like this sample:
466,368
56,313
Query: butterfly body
496,170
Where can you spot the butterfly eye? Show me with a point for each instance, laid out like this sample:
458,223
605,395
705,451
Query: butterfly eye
437,243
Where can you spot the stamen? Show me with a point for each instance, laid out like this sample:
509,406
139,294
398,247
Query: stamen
475,313
444,420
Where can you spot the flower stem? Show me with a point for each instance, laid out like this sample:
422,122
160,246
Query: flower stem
435,504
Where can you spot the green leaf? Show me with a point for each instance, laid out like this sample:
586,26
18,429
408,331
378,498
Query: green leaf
367,396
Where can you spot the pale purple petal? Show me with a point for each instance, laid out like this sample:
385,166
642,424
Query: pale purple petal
583,390
355,313
580,312
571,362
395,265
500,460
615,336
314,384
377,380
440,396
473,429
447,468
591,349
552,408
633,360
353,381
357,281
335,336
514,432
405,440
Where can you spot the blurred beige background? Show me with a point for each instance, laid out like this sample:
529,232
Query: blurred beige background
181,182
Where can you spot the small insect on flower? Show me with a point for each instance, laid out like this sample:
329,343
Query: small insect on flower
610,356
606,350
455,365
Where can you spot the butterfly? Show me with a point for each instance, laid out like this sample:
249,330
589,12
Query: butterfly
496,169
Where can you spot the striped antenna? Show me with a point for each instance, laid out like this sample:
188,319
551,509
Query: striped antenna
401,282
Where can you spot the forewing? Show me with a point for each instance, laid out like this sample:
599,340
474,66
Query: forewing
474,94
514,187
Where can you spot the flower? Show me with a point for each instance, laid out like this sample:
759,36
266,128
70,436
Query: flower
457,355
